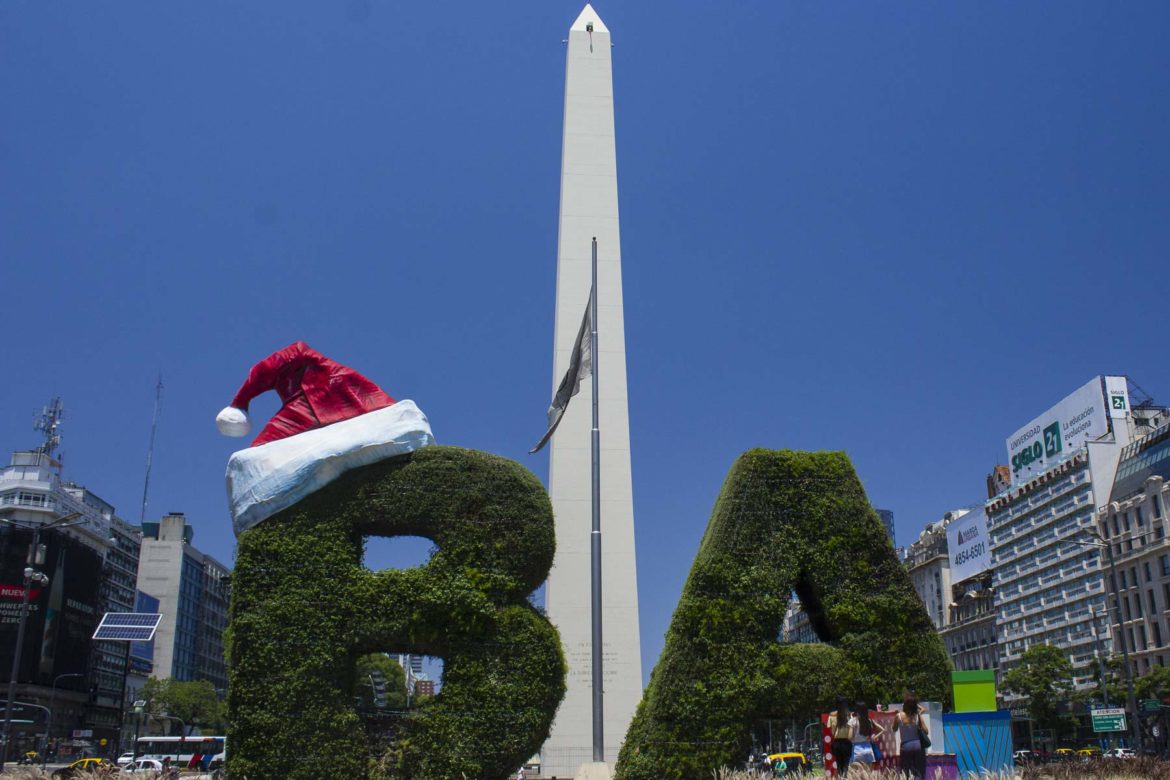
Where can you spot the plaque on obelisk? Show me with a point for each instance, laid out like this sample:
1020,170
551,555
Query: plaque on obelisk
589,208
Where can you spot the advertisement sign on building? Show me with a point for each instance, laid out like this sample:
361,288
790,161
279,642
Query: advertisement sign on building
61,615
968,545
1083,415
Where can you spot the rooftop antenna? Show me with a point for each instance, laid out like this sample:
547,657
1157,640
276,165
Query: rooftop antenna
150,450
49,423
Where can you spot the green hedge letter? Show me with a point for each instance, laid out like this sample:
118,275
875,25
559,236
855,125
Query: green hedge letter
785,521
304,609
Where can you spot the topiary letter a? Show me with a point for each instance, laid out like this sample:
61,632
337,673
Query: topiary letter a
785,521
304,609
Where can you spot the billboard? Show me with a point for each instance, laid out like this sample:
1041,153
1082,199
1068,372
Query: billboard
61,615
968,545
1081,416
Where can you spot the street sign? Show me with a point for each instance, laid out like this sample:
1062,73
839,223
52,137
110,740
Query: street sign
1150,705
1108,719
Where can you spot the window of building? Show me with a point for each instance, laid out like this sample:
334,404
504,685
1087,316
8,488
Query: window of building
1123,585
1125,607
1105,529
1137,605
1136,582
1153,605
1157,627
1142,637
1137,513
1149,574
1157,505
1128,545
1165,561
1125,517
1166,594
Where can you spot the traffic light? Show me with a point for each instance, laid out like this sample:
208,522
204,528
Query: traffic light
378,687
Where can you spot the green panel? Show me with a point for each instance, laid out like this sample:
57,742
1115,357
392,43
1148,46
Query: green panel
974,690
784,521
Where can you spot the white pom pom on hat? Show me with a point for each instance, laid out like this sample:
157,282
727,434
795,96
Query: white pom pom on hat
233,422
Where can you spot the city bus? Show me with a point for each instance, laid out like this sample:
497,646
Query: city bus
180,750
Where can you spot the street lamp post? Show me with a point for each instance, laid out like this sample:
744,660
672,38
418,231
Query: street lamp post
30,575
1131,700
139,708
52,704
182,733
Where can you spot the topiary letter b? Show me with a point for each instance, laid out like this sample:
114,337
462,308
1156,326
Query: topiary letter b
304,609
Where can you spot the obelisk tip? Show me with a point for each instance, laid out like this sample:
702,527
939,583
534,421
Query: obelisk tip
589,17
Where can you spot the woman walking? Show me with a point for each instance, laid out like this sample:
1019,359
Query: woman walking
912,732
841,733
865,731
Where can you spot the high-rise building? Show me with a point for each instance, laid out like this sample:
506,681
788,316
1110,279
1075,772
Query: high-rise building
797,626
91,568
929,567
969,631
887,517
1047,588
588,210
192,589
1133,523
969,635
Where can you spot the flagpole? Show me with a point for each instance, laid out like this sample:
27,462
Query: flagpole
595,536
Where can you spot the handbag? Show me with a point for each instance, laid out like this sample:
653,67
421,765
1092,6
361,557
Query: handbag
922,737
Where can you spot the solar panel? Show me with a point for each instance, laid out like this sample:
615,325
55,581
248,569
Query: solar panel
128,626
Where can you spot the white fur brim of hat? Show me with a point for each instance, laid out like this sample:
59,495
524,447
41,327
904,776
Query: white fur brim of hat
233,422
264,480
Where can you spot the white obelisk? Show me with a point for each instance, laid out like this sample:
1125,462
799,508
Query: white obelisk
589,208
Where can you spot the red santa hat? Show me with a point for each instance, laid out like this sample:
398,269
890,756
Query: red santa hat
315,392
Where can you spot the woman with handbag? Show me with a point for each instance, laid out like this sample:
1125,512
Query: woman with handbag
841,732
865,734
914,739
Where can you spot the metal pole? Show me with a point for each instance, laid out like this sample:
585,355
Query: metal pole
52,704
1100,659
17,652
150,451
1130,698
595,536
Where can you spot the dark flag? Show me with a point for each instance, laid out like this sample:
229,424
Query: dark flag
580,366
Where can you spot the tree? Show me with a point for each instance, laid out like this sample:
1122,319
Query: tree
1114,683
1044,677
395,681
1154,684
195,703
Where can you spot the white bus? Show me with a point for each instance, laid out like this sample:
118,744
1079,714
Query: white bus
180,750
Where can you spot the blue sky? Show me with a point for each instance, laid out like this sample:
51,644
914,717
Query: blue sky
897,229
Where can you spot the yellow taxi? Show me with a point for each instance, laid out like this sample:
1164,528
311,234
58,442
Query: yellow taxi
83,767
792,761
1092,751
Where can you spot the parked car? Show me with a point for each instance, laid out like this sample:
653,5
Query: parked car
83,767
1120,753
1027,757
125,759
1090,752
